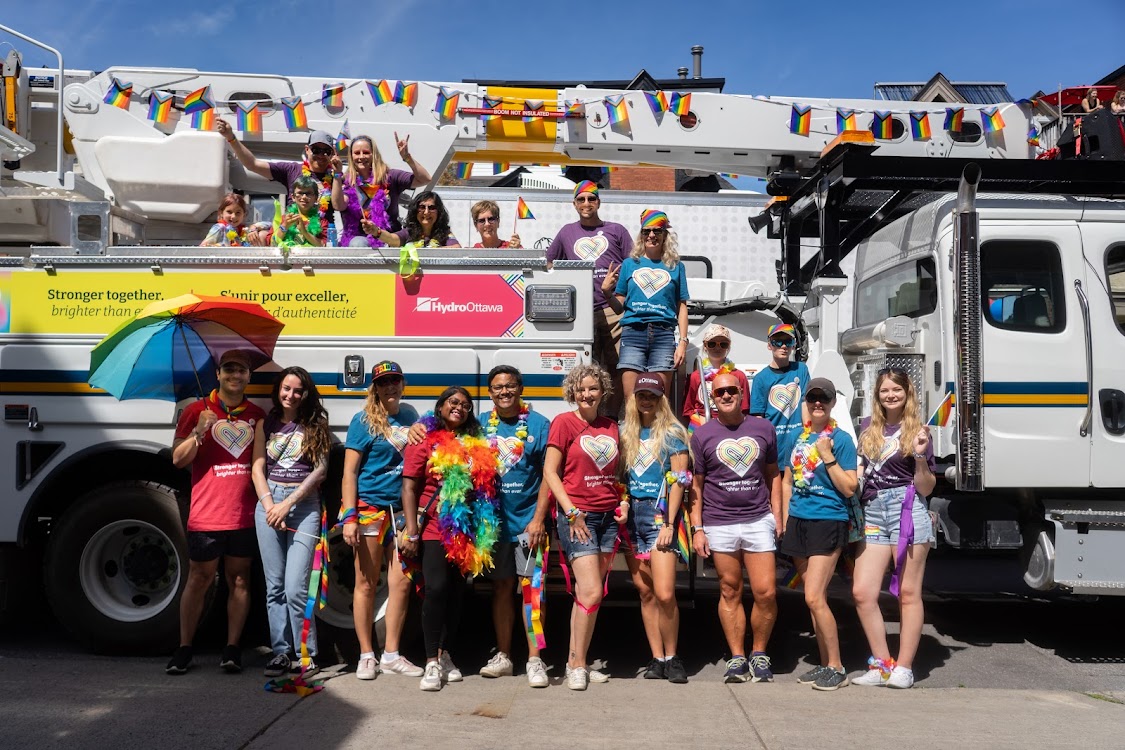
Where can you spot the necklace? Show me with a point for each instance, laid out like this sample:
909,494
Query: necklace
468,517
324,203
235,236
516,451
292,235
805,455
231,413
709,373
373,205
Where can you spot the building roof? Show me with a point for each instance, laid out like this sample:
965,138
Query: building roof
969,92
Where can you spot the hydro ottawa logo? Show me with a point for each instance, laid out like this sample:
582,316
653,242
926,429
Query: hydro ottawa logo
435,305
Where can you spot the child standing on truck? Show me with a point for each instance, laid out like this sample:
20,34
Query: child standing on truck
778,389
228,231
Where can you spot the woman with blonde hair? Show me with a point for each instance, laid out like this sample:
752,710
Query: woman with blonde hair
898,474
654,457
367,197
486,218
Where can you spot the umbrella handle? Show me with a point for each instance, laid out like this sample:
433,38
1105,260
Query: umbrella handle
194,369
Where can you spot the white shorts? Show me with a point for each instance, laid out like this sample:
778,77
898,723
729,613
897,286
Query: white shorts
756,536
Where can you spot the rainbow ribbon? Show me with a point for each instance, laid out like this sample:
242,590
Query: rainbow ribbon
318,588
533,601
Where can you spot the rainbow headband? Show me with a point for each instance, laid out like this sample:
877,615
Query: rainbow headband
586,186
653,219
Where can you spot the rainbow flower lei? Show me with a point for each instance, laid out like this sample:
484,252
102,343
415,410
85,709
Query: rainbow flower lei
235,236
516,453
805,455
324,202
709,373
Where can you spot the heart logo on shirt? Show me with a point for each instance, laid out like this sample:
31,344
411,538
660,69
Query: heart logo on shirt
738,454
285,449
505,447
591,248
398,437
235,437
645,458
785,396
890,447
601,449
651,280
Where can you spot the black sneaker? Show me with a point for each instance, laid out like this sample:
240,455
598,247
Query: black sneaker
231,663
813,675
278,666
310,670
655,670
180,661
738,670
674,670
830,679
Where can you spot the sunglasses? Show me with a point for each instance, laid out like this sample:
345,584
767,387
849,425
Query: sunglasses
730,390
781,343
717,344
655,232
320,150
389,380
814,398
427,209
586,199
487,219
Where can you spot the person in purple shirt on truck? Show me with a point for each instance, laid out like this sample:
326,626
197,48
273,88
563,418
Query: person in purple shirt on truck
604,243
735,507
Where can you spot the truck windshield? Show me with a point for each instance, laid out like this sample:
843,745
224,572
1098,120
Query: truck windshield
909,289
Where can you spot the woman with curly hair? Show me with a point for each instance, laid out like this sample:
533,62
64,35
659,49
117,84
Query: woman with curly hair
290,462
427,225
580,469
650,288
898,474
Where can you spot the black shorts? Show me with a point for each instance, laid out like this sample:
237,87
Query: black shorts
205,546
504,560
806,538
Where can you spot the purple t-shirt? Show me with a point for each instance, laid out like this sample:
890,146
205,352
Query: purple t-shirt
285,455
890,468
286,172
732,462
605,243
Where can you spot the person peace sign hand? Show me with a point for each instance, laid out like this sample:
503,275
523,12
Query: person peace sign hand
922,441
403,148
336,164
609,283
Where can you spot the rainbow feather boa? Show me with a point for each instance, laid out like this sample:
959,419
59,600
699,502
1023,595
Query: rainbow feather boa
468,512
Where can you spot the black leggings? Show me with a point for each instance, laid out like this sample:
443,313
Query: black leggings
445,591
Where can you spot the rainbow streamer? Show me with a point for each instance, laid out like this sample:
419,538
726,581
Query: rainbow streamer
679,104
318,587
1033,136
617,109
343,137
657,102
522,211
953,117
491,103
463,170
943,413
575,108
845,120
446,104
118,93
792,578
533,600
160,106
198,101
881,126
920,126
203,119
406,94
381,92
249,117
332,95
800,120
991,120
295,117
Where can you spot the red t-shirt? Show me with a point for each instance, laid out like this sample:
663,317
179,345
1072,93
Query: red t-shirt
590,456
415,465
222,495
693,399
502,244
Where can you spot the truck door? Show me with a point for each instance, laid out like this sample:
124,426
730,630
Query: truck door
1104,246
1035,390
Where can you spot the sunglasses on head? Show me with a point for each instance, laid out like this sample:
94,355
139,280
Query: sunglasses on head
730,390
717,344
781,343
892,371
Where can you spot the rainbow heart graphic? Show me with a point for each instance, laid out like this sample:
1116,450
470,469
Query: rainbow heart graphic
285,449
785,397
601,449
645,458
738,454
235,437
504,447
890,447
398,437
591,248
651,280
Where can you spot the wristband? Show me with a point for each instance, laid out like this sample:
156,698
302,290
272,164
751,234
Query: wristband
231,140
830,464
337,176
412,537
695,529
198,437
264,495
920,456
573,514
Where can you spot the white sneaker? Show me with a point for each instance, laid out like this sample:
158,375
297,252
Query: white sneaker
452,673
431,677
901,678
400,665
577,678
498,666
366,669
873,677
598,677
536,673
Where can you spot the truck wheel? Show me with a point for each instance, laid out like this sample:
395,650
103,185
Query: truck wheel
115,565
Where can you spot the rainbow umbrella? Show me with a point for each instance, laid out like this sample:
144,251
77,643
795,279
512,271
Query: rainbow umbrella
170,349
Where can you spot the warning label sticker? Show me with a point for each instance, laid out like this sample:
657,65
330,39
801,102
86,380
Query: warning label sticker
557,361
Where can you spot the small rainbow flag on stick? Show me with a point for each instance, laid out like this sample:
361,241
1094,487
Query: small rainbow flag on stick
380,92
295,117
845,120
679,104
446,104
160,106
800,120
1033,136
953,116
118,93
249,117
881,125
617,109
406,94
990,120
463,170
943,412
198,101
344,136
203,119
920,126
522,211
332,95
657,101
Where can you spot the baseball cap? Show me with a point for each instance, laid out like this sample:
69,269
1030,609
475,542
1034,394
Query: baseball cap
821,384
386,367
320,136
784,329
650,384
716,331
236,355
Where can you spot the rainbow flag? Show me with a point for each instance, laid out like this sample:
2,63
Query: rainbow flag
881,126
990,120
446,104
1033,136
489,102
203,119
792,578
575,108
343,137
198,101
943,413
249,117
160,106
380,92
845,120
920,126
332,95
295,117
533,105
657,101
406,94
500,167
800,120
118,93
522,211
463,170
679,104
953,116
617,109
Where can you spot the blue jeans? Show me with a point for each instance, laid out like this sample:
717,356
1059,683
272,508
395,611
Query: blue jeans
286,560
647,347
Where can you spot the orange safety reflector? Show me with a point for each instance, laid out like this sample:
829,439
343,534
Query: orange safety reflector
850,136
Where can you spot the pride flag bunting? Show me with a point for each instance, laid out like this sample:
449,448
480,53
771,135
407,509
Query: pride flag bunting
575,108
845,120
500,167
118,93
463,170
943,413
332,95
679,104
295,117
990,120
249,117
446,104
800,120
344,136
198,101
406,94
881,125
1033,136
160,106
490,102
953,116
657,101
533,105
920,126
617,109
203,119
380,92
522,211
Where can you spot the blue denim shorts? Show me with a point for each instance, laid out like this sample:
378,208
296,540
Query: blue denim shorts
648,347
643,530
881,518
603,536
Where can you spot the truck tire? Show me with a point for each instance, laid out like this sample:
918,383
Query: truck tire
116,563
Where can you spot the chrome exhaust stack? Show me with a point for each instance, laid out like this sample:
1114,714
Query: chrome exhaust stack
968,333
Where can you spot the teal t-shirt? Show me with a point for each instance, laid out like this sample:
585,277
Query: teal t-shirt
646,475
777,396
653,292
380,467
519,483
821,501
